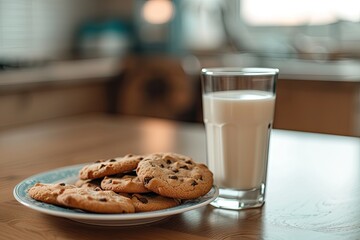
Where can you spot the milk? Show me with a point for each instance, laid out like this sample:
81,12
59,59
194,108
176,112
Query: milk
238,125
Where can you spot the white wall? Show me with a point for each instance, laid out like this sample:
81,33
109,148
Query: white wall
44,29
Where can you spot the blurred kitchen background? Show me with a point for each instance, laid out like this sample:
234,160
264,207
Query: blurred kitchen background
61,58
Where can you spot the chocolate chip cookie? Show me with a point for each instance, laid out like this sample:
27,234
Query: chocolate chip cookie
112,166
96,201
124,183
48,193
151,202
174,175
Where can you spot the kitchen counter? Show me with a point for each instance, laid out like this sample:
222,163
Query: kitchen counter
347,70
74,71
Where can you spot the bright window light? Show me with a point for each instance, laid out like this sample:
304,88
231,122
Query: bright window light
158,11
298,12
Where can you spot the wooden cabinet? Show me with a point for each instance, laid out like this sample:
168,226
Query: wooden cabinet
318,106
46,102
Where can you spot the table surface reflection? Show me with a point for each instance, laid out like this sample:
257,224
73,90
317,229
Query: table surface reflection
313,183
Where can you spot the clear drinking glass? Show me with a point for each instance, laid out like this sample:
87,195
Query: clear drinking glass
238,107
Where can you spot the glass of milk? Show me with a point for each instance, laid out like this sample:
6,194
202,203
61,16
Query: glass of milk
238,107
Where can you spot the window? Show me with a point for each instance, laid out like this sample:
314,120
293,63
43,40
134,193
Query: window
299,12
321,29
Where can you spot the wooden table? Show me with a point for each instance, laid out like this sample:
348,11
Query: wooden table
313,181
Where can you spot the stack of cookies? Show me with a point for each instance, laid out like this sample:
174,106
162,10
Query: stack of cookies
129,184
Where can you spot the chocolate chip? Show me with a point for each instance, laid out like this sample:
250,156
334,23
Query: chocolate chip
147,179
175,170
173,177
188,162
143,200
201,178
140,198
110,181
97,189
141,158
185,167
62,184
194,183
162,165
98,161
103,200
112,160
129,155
102,165
168,161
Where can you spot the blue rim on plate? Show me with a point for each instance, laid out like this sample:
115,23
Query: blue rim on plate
70,175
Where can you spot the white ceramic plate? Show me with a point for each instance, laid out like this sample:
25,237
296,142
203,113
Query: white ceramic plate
70,174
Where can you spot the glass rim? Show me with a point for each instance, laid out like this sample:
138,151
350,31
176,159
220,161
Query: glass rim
235,71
